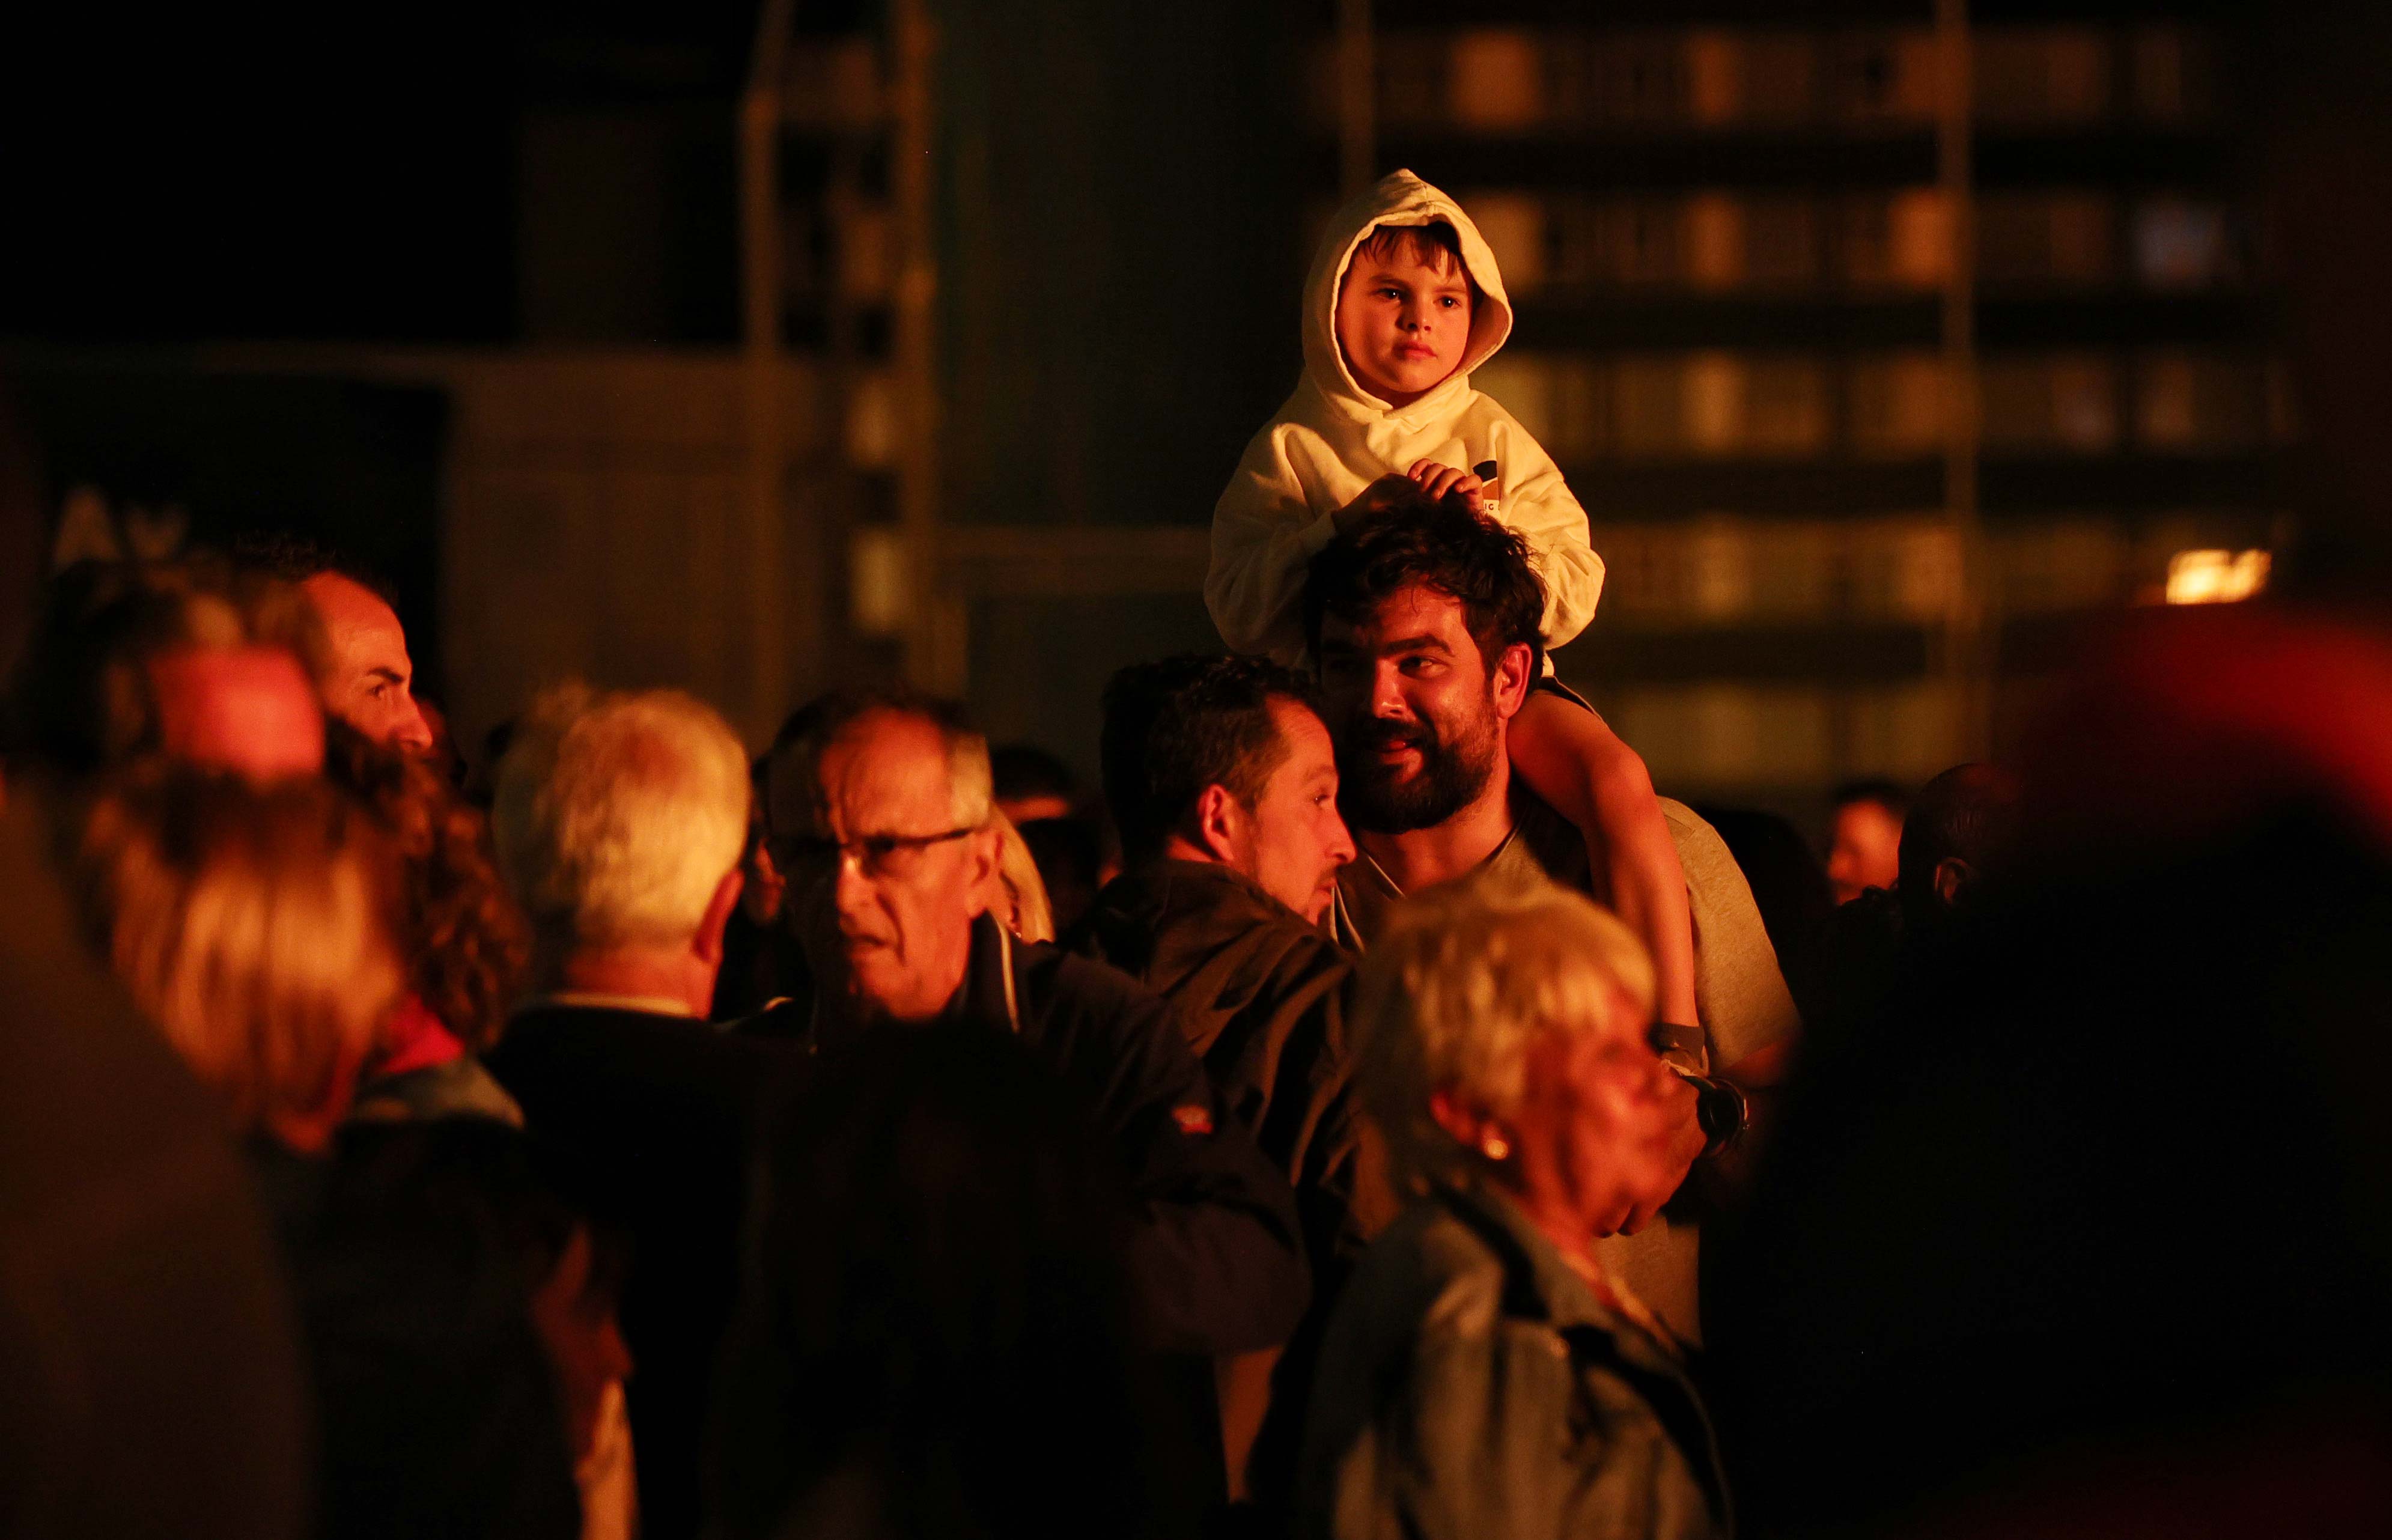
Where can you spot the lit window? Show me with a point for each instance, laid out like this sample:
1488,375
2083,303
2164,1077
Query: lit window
2216,577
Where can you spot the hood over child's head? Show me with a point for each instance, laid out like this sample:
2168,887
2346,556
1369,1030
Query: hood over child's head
1404,299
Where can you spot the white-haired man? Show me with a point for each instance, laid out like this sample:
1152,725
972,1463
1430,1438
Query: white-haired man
880,814
619,823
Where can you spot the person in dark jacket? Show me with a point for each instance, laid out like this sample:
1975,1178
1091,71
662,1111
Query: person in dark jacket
873,1386
619,822
880,810
1223,783
1485,1372
249,924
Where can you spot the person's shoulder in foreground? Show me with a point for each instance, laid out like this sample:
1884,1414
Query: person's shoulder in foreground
1492,1343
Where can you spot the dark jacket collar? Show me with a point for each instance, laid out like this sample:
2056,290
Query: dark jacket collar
991,992
1169,886
1181,905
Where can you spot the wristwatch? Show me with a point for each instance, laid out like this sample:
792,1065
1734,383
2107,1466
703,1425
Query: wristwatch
1720,1106
1723,1109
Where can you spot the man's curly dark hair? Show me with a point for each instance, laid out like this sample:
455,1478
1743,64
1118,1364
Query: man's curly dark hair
1468,556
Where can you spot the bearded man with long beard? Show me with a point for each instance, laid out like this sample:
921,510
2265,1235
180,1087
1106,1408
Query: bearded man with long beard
1425,623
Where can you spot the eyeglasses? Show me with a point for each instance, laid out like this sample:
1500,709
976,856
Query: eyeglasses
811,858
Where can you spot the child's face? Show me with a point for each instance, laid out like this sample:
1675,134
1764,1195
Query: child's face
1402,323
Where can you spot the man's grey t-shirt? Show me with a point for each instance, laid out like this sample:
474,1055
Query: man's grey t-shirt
1740,997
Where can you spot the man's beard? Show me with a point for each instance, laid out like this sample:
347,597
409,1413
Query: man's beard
1451,774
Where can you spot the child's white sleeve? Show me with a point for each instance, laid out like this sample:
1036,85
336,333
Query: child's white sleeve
1265,534
1539,504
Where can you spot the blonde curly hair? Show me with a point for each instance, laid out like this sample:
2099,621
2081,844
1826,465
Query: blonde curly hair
1460,986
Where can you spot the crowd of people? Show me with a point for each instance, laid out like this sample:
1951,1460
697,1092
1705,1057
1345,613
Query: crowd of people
1335,1172
1378,1112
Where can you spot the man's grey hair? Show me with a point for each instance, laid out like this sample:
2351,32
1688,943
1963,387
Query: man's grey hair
826,719
618,814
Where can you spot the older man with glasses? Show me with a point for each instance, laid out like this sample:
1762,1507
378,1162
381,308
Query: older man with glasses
878,809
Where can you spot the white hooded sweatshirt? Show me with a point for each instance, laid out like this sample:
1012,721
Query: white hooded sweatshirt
1333,438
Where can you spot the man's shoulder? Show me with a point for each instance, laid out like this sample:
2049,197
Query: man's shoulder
545,1023
1553,845
559,1043
1195,912
1689,831
1055,983
1107,1032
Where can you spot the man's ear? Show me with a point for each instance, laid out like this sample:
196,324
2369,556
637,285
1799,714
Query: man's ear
1514,672
983,857
707,943
1953,877
1220,824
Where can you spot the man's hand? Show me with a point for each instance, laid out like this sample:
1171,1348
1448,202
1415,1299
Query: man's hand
1440,481
1685,1147
1373,500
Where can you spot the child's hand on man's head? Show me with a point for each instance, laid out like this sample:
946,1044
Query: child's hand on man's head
1441,481
1371,502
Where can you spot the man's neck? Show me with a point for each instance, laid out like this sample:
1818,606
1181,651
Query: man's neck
633,974
840,1017
1426,856
1178,847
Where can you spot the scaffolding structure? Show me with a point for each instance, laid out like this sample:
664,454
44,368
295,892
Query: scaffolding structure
910,577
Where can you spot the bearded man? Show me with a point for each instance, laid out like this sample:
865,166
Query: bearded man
1424,622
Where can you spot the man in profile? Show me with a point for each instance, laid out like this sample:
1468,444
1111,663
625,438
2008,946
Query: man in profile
1223,782
371,685
366,674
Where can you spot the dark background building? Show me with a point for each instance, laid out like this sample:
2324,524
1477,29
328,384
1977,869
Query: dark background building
748,346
